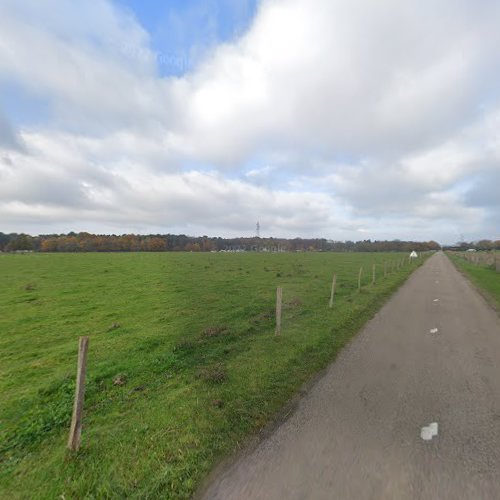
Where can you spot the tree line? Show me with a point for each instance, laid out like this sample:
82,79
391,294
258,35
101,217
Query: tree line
87,242
476,245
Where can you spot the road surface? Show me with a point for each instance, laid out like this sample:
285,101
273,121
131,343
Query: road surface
430,356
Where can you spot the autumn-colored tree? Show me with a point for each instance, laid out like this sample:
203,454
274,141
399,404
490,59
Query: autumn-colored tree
154,244
192,247
129,243
157,245
49,245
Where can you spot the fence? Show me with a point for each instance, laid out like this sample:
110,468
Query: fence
482,258
388,266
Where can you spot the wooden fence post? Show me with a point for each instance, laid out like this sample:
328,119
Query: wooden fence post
385,268
332,293
75,432
373,274
359,278
279,298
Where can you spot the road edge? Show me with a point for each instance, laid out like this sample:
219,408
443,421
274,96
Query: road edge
289,408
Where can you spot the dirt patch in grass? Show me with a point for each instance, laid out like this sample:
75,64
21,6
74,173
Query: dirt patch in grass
295,302
214,331
215,374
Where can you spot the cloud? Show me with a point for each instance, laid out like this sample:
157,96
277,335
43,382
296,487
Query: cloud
341,77
326,118
82,59
195,201
484,191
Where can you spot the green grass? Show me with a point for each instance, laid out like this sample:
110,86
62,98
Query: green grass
483,276
190,337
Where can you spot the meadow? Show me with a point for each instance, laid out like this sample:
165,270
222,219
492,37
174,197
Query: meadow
183,364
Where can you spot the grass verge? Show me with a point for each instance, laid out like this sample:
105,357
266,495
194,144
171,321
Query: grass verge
486,278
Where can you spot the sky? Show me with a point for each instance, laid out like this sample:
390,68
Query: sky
341,119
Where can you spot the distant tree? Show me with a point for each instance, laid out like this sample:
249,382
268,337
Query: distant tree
154,244
192,247
49,245
4,240
484,245
157,245
20,242
206,244
68,244
129,243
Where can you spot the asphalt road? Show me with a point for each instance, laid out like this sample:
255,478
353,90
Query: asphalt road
357,434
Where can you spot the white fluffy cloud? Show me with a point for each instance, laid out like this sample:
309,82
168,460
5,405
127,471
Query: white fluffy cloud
343,119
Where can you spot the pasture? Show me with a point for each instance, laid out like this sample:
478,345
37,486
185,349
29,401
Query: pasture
183,362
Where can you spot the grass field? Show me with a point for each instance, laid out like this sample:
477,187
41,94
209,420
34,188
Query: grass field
484,277
183,362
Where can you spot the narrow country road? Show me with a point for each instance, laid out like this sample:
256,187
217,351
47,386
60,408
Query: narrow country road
431,355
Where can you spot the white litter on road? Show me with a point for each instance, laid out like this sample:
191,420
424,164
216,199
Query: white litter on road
433,330
429,431
435,300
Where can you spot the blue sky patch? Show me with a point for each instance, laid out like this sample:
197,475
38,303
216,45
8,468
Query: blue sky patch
182,31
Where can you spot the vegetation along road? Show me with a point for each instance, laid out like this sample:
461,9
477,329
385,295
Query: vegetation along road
410,409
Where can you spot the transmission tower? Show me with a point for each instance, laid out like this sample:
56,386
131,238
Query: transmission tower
257,228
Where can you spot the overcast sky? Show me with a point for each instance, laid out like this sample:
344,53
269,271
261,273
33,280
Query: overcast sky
343,119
